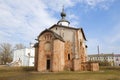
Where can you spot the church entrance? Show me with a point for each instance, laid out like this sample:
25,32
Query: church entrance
48,64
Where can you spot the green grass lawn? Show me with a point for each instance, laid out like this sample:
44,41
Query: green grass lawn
16,73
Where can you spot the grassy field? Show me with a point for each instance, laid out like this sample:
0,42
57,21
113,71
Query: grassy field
24,73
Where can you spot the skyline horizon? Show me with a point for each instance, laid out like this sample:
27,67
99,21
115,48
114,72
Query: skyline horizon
22,21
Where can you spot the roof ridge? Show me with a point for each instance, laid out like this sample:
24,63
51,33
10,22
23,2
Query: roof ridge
70,27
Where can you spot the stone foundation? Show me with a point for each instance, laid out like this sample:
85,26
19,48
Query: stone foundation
88,66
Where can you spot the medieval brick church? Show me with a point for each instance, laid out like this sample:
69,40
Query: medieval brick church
62,47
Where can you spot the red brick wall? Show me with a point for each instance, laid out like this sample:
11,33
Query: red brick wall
58,56
94,66
59,52
88,66
68,51
42,53
76,65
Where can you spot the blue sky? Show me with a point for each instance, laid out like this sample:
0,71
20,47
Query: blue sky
21,21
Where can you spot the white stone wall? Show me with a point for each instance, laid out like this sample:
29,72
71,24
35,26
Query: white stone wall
26,56
18,55
117,60
67,34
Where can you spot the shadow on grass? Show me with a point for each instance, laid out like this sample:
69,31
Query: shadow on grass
16,69
114,79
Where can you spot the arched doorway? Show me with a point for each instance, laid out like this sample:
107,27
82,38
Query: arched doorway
48,64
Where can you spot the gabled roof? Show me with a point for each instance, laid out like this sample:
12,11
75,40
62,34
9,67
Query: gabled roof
69,28
83,33
55,34
64,27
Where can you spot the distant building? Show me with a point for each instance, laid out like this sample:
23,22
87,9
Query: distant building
62,47
23,57
113,59
117,59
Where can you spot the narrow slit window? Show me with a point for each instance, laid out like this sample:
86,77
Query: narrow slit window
68,56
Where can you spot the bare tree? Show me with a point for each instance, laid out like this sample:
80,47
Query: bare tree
19,46
6,52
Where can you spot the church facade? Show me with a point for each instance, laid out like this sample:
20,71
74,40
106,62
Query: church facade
62,47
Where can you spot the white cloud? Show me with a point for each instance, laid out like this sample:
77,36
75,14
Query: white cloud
110,42
23,20
114,36
56,5
73,19
103,4
94,2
